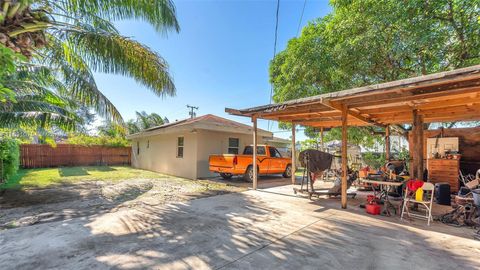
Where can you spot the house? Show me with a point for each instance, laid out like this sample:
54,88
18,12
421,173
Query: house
182,148
282,145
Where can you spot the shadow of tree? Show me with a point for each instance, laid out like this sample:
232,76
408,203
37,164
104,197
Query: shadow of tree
264,181
72,171
23,207
100,168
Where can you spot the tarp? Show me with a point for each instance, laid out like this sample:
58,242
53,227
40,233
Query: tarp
317,160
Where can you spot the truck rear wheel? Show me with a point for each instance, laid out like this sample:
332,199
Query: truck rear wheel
226,176
248,176
288,171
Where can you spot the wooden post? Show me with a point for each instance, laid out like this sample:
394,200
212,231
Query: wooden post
294,154
344,156
387,143
417,133
255,176
321,139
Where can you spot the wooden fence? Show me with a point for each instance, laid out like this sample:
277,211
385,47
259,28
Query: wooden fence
65,155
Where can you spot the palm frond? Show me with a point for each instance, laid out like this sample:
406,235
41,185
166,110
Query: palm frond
19,119
112,53
159,13
79,81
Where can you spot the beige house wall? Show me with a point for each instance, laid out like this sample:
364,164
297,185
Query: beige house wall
159,153
214,142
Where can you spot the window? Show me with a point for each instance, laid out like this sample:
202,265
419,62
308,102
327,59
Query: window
148,144
274,152
233,144
138,148
180,147
249,150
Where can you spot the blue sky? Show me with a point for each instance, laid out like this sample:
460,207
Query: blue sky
219,59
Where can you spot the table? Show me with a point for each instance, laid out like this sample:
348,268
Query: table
384,187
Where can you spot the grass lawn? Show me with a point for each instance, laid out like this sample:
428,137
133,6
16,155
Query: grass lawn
45,177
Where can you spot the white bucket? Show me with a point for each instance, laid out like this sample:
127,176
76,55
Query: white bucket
476,196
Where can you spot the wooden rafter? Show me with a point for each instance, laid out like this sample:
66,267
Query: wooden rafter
446,96
350,112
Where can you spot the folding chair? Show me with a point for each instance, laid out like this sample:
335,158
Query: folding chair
427,202
466,178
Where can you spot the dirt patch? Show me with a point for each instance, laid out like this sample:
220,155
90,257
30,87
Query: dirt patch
26,207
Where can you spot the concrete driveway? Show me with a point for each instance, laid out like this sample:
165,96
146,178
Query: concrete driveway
248,230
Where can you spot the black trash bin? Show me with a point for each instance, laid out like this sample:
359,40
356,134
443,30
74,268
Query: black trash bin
442,193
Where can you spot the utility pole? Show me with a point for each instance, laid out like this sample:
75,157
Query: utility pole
191,112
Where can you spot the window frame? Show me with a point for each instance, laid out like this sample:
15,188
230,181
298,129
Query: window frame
237,148
182,146
245,152
275,150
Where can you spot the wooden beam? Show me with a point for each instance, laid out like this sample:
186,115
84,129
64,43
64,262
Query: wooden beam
420,104
461,115
312,119
296,117
417,132
344,156
294,155
439,111
255,172
396,98
297,111
350,112
329,124
387,142
322,143
416,83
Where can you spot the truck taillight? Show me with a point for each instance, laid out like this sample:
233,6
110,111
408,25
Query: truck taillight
235,161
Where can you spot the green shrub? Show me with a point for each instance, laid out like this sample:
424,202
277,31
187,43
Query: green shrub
10,158
374,160
87,140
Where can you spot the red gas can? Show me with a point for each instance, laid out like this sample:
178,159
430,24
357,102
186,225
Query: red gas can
373,209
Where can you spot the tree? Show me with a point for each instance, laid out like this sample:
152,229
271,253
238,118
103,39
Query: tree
35,102
145,121
73,38
367,42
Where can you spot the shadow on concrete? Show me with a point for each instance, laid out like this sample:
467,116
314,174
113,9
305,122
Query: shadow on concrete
24,207
244,232
264,181
249,230
235,231
324,203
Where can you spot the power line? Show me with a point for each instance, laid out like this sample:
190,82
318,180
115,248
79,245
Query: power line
274,50
301,17
276,29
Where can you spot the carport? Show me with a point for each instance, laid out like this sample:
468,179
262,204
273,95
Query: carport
441,97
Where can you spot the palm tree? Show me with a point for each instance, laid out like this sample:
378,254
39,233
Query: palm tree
145,121
74,38
34,105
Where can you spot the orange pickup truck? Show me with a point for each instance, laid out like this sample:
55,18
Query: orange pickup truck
269,161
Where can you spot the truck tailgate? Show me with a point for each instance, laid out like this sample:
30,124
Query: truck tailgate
223,161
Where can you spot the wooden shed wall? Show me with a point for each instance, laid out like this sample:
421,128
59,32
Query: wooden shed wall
468,144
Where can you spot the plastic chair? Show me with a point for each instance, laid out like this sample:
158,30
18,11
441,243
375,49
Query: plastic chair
428,189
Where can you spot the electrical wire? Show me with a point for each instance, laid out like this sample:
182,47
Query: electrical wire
301,18
274,50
